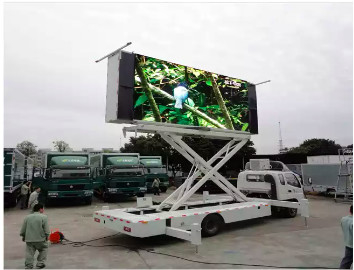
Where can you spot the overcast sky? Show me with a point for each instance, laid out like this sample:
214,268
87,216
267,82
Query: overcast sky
53,89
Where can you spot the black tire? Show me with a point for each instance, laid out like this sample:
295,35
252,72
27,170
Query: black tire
140,194
105,197
289,212
163,189
48,202
13,201
329,192
211,225
88,201
276,211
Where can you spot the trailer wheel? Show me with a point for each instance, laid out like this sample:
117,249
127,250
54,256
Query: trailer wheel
211,225
289,212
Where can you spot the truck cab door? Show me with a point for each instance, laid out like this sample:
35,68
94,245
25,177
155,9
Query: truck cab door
97,178
294,188
283,188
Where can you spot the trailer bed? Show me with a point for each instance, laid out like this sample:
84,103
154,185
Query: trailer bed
146,222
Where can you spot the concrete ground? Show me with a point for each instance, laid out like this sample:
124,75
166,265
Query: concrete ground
268,241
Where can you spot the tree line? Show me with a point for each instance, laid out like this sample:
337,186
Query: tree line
154,145
28,148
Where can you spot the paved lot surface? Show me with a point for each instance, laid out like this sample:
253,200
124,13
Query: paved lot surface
266,241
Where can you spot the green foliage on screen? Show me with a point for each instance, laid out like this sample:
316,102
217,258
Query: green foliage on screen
172,93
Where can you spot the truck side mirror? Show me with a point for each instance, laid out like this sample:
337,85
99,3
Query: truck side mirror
96,172
46,174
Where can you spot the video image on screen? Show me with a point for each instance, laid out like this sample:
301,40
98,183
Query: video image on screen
176,94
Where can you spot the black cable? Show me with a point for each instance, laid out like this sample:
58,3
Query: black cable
80,244
241,264
83,243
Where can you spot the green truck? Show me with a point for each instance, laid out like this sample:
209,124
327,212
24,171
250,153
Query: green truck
17,169
153,168
117,175
65,176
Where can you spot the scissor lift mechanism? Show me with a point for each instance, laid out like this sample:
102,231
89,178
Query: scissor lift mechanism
185,216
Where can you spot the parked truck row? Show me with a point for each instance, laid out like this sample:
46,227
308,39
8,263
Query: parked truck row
79,175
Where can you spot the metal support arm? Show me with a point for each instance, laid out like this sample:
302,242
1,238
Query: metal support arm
173,136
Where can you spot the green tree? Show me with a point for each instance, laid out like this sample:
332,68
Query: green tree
27,148
206,148
149,145
316,147
237,162
247,150
61,146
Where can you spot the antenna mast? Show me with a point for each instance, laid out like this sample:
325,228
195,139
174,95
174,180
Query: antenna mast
281,147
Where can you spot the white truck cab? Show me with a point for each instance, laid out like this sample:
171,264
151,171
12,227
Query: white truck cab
270,180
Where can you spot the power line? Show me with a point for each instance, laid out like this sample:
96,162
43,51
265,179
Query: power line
136,249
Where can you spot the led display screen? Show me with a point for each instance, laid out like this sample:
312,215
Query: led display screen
158,91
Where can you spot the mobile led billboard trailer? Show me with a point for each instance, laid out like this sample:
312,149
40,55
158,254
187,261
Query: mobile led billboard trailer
142,88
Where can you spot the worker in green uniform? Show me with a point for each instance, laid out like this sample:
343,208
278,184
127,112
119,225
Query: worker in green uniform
156,186
25,190
35,232
347,228
33,199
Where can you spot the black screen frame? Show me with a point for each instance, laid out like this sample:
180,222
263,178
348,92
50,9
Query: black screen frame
125,111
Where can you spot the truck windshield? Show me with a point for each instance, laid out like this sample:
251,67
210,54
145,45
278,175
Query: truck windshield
70,173
126,172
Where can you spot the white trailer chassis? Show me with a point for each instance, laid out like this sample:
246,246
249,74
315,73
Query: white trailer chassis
178,217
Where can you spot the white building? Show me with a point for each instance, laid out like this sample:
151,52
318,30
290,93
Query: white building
328,159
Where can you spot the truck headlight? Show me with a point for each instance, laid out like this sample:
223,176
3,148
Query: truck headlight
112,190
142,188
52,194
88,192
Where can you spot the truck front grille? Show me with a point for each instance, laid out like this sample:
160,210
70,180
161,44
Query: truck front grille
71,195
129,184
71,187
